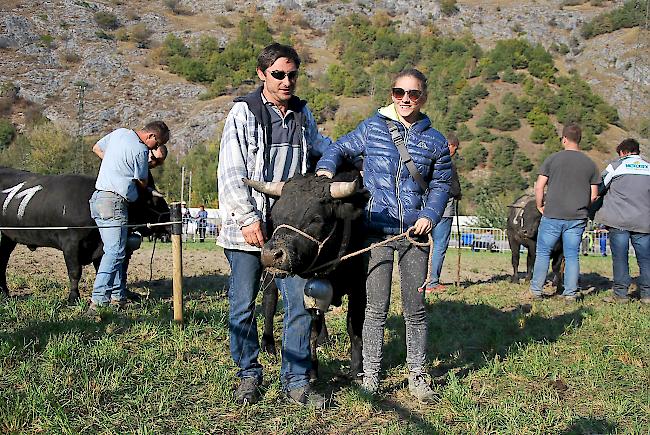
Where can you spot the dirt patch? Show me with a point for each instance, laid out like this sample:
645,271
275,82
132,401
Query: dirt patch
201,268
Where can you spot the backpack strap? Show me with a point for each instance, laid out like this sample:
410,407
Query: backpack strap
398,140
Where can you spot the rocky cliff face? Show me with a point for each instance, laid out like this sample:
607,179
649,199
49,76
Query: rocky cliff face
51,49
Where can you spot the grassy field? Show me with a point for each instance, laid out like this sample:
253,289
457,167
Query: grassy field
499,366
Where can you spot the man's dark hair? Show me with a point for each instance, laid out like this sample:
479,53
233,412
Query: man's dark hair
275,51
629,145
573,132
453,139
160,129
412,72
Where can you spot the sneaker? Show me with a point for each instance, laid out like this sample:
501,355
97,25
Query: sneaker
435,289
571,299
420,387
248,391
370,384
304,396
616,299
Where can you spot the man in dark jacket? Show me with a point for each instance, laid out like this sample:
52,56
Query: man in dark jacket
442,230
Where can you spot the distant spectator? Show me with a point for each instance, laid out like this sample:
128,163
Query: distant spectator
442,231
626,212
572,180
202,221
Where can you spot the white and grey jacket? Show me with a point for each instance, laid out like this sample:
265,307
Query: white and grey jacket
626,203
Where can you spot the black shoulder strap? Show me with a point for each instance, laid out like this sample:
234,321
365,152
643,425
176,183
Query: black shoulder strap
405,156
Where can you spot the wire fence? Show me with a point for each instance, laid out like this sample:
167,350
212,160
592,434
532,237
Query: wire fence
196,231
595,242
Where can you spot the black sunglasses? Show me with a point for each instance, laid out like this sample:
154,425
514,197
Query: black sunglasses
280,75
414,94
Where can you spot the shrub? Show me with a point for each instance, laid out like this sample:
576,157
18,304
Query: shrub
346,124
140,35
507,120
472,155
484,135
47,41
510,76
7,132
106,20
464,133
504,152
448,7
631,14
488,118
172,5
522,162
644,128
69,56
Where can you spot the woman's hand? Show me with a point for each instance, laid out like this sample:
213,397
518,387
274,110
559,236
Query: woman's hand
324,173
422,226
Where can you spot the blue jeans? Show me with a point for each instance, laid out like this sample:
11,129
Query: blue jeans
440,234
110,212
245,273
619,242
549,232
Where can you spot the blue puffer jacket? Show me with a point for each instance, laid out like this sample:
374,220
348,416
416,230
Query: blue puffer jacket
396,199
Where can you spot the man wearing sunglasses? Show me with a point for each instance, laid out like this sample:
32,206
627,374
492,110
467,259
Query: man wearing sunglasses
124,169
269,135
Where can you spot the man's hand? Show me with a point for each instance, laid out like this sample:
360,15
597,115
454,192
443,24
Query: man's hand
422,226
324,173
253,234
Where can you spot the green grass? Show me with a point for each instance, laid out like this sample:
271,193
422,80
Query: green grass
498,366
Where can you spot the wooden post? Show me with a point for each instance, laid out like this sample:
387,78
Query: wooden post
177,261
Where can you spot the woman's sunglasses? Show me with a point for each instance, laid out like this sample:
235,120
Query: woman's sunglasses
414,94
280,75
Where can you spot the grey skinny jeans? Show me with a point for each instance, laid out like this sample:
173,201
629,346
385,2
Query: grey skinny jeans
412,263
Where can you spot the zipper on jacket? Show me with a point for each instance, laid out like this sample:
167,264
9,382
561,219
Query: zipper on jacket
400,214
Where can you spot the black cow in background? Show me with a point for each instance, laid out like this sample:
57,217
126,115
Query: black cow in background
523,222
33,200
329,212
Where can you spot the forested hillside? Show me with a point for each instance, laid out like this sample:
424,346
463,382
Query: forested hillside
506,102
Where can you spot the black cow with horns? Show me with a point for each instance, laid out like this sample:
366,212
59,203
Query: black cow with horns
522,226
314,222
61,201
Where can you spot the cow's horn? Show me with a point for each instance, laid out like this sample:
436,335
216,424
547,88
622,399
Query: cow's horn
273,188
342,189
157,194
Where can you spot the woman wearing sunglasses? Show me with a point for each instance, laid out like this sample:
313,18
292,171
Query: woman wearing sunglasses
398,201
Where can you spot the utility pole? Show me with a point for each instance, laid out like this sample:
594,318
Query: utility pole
189,195
81,92
182,183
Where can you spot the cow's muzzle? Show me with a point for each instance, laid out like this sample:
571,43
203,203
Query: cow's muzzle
276,257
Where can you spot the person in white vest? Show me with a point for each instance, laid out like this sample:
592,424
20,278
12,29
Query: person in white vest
626,213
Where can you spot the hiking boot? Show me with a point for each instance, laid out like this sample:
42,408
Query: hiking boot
420,387
248,391
304,396
118,305
92,311
615,299
530,296
370,384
